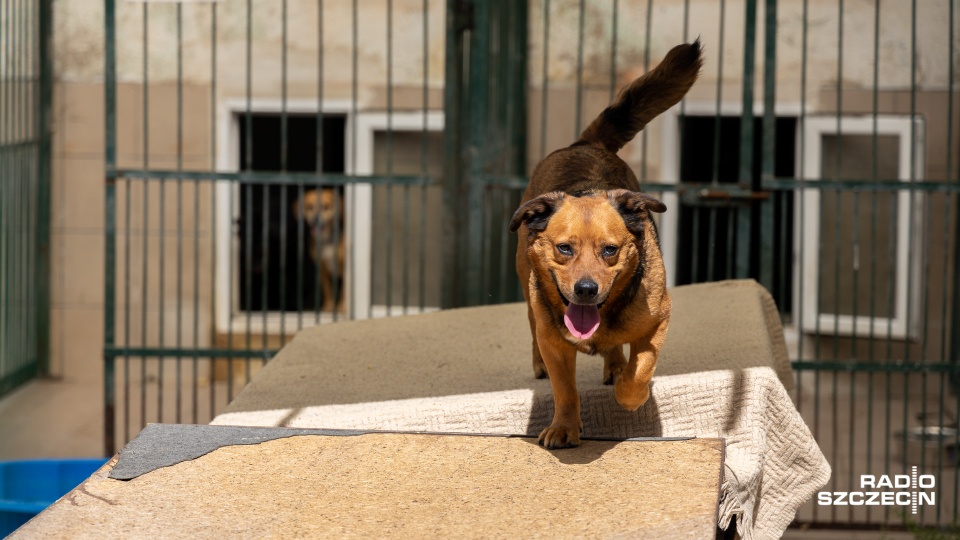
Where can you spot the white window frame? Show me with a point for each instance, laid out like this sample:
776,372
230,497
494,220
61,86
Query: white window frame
367,125
814,128
358,199
670,163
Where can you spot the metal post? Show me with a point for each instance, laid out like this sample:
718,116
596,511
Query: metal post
744,217
110,158
459,20
43,196
769,143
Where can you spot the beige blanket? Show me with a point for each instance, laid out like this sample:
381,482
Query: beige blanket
722,374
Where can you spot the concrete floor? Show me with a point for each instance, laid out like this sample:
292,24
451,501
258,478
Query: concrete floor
52,419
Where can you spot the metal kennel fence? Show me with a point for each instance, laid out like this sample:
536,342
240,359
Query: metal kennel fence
816,155
25,94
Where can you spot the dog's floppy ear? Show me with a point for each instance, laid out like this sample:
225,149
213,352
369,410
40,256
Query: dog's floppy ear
536,212
645,98
633,207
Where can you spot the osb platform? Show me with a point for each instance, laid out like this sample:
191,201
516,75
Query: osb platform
400,485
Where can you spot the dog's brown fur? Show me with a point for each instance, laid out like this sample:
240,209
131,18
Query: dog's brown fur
322,210
584,226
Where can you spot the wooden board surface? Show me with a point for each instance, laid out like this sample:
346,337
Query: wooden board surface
406,486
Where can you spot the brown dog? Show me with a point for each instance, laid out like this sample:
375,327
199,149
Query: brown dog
322,210
589,258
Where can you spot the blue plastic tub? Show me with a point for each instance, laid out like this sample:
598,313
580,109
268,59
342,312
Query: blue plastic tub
29,486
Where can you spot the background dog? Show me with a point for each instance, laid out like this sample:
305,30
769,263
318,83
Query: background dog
322,210
589,258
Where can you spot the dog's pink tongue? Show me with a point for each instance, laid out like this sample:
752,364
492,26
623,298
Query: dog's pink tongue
582,321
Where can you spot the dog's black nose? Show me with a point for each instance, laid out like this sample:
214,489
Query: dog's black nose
585,289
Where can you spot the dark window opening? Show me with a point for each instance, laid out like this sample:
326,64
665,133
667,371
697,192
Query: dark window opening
707,243
282,276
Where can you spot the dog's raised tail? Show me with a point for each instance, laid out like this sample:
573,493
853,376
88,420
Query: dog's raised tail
645,98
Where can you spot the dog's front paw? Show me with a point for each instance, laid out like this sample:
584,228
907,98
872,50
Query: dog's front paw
631,396
559,437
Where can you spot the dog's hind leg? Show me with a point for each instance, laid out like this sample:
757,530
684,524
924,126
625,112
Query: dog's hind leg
613,364
539,368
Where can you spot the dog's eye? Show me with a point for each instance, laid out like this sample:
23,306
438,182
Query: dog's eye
609,251
565,249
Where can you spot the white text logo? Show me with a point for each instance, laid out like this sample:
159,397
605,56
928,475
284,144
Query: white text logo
900,490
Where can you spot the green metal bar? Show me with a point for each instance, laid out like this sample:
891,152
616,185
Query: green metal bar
479,124
912,198
284,150
126,309
264,258
5,136
213,196
145,105
769,137
613,50
127,199
12,373
711,245
405,252
836,341
715,177
196,298
424,153
732,217
319,149
161,299
695,251
890,306
179,318
22,144
300,189
944,339
265,278
856,366
33,86
545,79
17,211
110,157
248,166
504,252
578,106
873,239
745,177
43,133
517,82
458,21
946,347
892,185
925,311
646,69
169,354
354,98
388,266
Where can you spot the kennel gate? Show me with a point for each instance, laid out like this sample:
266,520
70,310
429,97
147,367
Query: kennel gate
25,97
860,252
